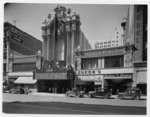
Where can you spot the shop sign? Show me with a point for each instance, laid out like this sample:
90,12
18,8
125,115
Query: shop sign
88,72
91,78
87,78
98,82
117,76
138,33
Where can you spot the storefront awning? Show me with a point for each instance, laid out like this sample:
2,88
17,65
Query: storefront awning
25,80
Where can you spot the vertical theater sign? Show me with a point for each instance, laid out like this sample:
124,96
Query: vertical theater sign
138,33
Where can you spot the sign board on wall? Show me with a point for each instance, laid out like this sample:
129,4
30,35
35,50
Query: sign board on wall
117,76
88,72
93,78
138,33
99,53
16,35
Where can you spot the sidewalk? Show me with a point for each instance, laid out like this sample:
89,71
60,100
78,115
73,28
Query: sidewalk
50,97
55,94
47,94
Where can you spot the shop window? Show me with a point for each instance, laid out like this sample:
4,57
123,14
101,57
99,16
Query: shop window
4,67
5,55
90,63
5,44
112,62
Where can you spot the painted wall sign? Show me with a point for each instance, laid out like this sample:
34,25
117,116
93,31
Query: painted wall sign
16,35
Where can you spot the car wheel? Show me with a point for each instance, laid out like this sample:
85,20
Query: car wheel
90,95
136,97
106,97
120,96
78,95
67,95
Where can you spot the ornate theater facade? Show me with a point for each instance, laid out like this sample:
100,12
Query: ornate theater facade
68,60
62,36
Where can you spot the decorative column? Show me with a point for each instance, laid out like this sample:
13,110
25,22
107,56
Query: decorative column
48,43
44,45
68,56
99,63
75,27
72,43
103,62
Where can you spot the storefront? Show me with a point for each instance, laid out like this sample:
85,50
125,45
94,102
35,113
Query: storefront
115,79
24,79
88,80
141,76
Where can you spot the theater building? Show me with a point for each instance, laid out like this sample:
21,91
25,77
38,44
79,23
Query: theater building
121,67
20,51
61,37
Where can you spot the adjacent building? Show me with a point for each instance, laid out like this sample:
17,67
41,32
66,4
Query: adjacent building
118,68
19,52
117,40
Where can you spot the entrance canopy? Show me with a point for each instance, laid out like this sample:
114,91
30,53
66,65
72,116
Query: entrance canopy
51,76
25,80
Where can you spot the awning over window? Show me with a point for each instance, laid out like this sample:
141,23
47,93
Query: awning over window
142,77
25,80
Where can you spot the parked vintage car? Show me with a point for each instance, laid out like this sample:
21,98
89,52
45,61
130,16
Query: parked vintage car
75,93
101,92
5,89
17,90
14,90
130,93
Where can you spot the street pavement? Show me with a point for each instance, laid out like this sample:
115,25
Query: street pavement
46,103
48,97
68,108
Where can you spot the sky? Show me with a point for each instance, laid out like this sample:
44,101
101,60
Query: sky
98,21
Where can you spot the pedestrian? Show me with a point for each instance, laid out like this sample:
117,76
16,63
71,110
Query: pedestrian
117,91
111,90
